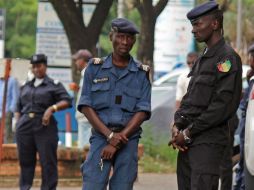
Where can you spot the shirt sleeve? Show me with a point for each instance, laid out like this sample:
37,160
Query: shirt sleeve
85,98
180,88
60,94
225,100
144,103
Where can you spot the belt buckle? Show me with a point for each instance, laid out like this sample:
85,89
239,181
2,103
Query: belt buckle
31,115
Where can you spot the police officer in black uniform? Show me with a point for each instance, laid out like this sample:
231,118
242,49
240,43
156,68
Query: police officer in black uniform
200,129
36,128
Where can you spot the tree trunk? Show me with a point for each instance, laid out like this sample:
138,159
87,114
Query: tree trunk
149,14
79,35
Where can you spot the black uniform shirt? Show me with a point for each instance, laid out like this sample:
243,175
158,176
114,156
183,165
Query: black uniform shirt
213,95
38,99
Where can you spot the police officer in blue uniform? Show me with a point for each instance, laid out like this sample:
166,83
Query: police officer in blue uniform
116,100
200,129
36,128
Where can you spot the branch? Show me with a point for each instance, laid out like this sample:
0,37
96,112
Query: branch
102,9
158,8
225,5
139,6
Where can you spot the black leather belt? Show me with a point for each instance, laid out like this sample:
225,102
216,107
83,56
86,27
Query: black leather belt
116,129
33,114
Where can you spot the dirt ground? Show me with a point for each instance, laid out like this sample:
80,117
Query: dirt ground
146,181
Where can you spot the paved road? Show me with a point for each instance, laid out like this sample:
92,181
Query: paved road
145,181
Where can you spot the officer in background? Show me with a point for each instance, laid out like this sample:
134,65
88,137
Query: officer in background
115,98
200,129
183,80
239,178
11,101
81,59
36,128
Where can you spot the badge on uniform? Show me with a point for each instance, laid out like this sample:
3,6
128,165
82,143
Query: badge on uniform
224,66
97,80
97,61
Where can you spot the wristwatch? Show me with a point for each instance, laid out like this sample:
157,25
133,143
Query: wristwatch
186,138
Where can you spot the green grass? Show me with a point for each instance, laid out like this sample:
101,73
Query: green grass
158,156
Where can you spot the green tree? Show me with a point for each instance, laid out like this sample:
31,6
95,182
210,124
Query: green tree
20,27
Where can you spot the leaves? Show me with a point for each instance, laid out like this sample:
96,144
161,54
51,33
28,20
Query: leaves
20,27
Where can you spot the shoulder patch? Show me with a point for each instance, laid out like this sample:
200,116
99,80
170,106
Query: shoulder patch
145,68
97,61
224,66
56,82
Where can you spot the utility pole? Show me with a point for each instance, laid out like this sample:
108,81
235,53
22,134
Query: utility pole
239,26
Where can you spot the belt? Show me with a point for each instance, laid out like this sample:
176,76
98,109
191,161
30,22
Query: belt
116,129
33,114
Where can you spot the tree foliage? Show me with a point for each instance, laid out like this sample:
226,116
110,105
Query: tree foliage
20,27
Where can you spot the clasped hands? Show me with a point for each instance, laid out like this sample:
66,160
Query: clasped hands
177,140
114,144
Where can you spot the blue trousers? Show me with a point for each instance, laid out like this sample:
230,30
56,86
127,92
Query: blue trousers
124,166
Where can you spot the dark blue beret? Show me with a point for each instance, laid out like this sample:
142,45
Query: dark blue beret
124,26
202,9
251,48
39,58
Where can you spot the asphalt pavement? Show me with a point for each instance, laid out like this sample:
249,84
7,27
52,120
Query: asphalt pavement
145,181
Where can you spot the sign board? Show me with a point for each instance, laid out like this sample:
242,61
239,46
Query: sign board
50,36
173,37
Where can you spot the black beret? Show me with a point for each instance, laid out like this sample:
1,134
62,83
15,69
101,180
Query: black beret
39,58
251,48
202,9
124,26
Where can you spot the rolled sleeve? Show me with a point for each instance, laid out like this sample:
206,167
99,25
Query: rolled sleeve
85,98
144,103
62,94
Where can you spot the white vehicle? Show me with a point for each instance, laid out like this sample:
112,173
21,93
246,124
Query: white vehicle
249,144
170,78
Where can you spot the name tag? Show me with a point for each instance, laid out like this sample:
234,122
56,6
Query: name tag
104,79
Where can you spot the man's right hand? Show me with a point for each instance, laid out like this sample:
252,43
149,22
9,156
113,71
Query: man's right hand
108,152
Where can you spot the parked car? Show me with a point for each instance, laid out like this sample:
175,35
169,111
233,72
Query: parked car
249,144
163,108
170,79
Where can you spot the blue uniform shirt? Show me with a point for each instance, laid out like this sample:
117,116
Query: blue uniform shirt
38,99
116,95
12,94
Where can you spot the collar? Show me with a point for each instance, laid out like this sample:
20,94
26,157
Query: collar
46,80
108,63
210,52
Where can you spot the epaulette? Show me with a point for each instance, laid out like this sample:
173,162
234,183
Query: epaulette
97,61
56,82
145,68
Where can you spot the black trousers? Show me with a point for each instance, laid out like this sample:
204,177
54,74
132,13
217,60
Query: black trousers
199,167
226,168
32,137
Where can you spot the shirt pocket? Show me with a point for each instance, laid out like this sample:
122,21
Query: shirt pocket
202,90
130,97
100,93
